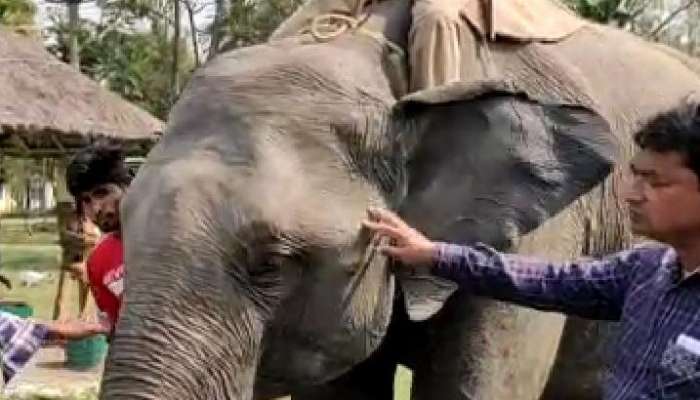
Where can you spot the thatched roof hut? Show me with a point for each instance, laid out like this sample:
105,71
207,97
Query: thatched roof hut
48,109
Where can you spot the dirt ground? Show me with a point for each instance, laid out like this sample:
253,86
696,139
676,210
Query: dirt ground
46,377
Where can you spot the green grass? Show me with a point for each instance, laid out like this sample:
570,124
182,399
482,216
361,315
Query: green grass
28,231
14,258
33,221
35,248
402,384
16,236
17,257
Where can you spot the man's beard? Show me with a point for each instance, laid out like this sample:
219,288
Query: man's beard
108,224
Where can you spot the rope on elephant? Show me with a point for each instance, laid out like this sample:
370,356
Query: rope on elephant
326,27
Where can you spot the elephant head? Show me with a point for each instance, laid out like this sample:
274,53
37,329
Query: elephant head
243,245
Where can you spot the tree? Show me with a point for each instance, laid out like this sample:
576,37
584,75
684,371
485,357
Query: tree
248,22
622,13
175,61
251,22
139,50
17,13
193,8
218,27
131,53
602,11
673,22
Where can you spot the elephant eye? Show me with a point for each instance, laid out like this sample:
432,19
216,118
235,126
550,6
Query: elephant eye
275,255
275,260
283,249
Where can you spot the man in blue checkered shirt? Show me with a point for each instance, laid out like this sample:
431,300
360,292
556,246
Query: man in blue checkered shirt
21,338
654,290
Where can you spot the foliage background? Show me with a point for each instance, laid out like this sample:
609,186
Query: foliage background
146,50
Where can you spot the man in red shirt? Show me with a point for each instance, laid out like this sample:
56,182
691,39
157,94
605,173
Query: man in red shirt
97,177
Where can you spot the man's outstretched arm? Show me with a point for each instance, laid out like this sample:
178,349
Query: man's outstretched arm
591,289
21,338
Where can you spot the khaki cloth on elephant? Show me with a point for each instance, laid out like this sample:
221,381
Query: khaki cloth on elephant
449,39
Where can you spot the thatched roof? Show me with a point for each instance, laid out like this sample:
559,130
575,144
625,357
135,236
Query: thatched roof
47,108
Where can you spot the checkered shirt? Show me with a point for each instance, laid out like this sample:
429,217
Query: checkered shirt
657,352
19,340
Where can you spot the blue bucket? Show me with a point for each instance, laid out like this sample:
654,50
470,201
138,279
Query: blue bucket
18,308
86,353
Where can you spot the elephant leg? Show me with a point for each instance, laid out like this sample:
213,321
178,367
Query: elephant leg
373,379
486,349
483,349
584,352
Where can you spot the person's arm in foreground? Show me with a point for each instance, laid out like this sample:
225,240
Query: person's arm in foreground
592,289
72,330
20,339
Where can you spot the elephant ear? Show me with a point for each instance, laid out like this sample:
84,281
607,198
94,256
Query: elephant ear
488,164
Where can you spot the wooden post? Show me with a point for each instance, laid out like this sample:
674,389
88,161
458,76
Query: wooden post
69,233
86,307
64,209
77,238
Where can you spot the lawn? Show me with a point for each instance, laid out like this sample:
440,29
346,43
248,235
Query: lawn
402,384
15,258
28,230
39,257
31,244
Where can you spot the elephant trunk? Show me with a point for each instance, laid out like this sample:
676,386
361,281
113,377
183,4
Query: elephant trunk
182,347
194,312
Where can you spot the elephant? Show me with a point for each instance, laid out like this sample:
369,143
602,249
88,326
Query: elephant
248,272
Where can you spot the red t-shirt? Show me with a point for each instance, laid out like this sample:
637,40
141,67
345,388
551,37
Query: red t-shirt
105,270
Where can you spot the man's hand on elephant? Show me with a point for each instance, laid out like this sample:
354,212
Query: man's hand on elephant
406,244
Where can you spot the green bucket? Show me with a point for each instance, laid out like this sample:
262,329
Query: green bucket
18,308
86,353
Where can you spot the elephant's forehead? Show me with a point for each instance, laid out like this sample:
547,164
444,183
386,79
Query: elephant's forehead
279,155
310,192
306,191
294,63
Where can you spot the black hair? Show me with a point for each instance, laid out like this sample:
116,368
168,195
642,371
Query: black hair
95,165
675,131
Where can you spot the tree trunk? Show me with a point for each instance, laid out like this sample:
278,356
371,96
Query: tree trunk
193,29
73,21
218,28
654,35
174,81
